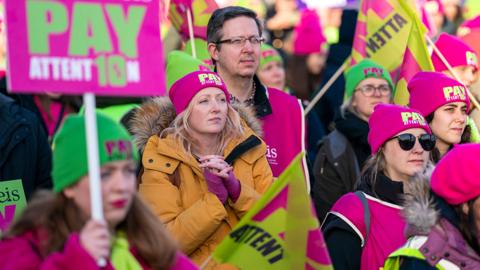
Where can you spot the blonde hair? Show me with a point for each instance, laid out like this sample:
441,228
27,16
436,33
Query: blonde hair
347,105
182,132
375,164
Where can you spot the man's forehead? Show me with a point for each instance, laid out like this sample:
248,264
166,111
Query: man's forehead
240,26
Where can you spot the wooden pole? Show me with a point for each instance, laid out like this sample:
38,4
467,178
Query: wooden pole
190,31
325,88
445,62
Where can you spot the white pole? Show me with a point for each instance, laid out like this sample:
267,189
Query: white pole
93,161
190,31
326,87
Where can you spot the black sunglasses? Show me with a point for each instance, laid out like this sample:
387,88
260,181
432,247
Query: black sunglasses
407,141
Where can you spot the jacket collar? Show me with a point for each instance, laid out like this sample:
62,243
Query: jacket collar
262,104
5,100
157,114
385,189
172,154
354,128
170,148
423,208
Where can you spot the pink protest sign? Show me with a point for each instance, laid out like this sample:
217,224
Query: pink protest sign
107,47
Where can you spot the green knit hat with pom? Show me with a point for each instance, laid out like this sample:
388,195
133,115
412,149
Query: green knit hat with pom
70,162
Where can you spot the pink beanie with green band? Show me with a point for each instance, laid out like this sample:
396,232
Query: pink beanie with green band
387,120
431,90
184,89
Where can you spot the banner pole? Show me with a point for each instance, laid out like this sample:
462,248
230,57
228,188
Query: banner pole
445,62
93,162
190,31
205,263
325,88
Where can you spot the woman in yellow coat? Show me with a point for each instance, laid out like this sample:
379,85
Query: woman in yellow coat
203,165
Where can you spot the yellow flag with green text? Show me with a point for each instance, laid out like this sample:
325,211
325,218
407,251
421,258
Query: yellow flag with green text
390,33
281,231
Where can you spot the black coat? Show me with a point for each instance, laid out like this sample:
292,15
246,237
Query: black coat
338,162
24,150
328,107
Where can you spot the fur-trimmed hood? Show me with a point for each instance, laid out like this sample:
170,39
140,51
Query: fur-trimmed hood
158,113
419,208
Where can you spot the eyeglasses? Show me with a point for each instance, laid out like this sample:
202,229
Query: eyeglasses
241,41
407,141
369,89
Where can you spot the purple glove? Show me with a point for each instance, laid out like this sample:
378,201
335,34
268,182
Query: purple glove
215,185
233,186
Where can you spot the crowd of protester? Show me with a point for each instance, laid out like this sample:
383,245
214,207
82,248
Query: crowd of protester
393,186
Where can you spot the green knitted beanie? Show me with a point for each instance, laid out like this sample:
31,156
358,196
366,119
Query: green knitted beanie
180,64
200,48
269,54
70,148
363,70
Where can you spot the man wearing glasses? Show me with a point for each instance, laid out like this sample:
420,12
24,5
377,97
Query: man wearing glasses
234,36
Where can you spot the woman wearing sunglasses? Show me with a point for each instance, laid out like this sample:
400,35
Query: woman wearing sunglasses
444,103
443,220
345,150
364,227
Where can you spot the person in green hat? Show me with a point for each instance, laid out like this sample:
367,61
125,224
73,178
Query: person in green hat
271,71
56,230
344,151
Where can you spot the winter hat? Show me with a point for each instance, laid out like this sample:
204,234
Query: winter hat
387,120
70,160
469,31
467,25
430,90
363,70
183,90
308,34
180,64
455,177
456,52
269,54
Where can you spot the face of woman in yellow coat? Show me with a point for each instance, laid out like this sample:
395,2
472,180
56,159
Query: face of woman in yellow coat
208,112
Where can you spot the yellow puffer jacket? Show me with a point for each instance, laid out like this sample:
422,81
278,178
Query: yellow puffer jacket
174,186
